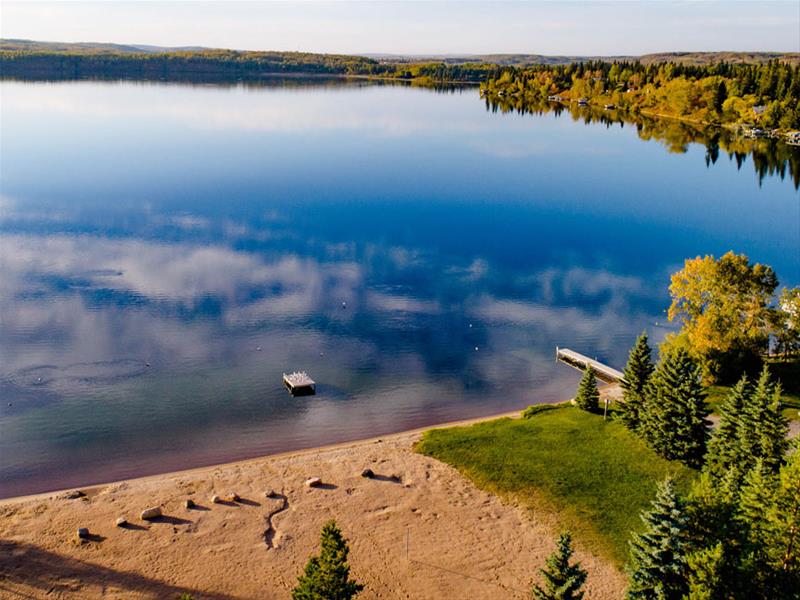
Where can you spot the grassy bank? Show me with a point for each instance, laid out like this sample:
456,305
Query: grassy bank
593,474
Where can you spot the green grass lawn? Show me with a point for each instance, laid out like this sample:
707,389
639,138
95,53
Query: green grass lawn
785,371
594,476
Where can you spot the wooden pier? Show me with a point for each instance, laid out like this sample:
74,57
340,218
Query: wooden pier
580,362
299,384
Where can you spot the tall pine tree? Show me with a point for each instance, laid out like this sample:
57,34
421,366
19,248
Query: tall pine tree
707,574
658,564
588,397
762,426
724,450
784,519
636,376
562,580
675,423
327,576
756,500
773,437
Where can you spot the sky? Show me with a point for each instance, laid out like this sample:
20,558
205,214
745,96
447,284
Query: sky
408,27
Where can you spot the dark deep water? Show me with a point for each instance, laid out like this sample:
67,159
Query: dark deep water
419,255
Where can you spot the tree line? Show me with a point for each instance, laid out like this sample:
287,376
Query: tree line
766,94
222,64
736,535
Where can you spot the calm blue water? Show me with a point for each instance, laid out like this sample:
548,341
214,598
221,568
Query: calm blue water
168,251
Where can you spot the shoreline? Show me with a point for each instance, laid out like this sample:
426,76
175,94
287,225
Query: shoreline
252,524
247,461
244,530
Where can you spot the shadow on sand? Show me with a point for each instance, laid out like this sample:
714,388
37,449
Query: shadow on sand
31,566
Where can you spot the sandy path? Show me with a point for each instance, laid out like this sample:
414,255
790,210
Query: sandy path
462,542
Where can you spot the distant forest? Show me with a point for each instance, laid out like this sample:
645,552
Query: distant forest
220,64
754,89
765,95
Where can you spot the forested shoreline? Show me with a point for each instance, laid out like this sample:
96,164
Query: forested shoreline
225,64
757,94
764,96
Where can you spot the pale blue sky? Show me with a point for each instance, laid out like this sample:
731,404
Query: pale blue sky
593,27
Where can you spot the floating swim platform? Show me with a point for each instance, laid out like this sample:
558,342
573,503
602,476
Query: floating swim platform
299,384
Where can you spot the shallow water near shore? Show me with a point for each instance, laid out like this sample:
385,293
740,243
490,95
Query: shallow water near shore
168,251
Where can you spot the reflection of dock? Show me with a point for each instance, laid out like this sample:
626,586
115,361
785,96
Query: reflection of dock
299,383
579,361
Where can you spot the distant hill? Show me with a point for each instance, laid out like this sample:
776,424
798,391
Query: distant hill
503,60
689,58
90,47
705,58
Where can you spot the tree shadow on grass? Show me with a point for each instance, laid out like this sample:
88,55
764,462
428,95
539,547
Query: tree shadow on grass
32,566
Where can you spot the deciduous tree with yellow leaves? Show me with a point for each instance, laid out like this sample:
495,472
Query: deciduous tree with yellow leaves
724,307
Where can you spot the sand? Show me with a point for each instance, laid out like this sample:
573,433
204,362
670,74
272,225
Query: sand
428,534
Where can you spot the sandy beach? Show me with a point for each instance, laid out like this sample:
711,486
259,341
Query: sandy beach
418,529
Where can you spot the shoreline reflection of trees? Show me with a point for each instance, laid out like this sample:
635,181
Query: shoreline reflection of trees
770,157
283,81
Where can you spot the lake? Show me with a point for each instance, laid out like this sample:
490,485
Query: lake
167,251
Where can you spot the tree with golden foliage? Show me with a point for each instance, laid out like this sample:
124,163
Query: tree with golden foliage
724,308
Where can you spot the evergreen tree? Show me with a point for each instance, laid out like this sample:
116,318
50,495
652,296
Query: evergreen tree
773,433
562,580
711,507
658,569
724,450
588,397
636,376
327,576
762,426
675,424
756,515
782,531
707,574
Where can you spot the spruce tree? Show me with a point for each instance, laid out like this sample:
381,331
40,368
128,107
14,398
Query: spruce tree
784,526
752,413
327,576
757,495
636,376
658,569
562,580
676,426
773,433
756,506
588,397
762,426
724,451
707,574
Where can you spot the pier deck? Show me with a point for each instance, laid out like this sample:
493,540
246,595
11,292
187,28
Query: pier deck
579,361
